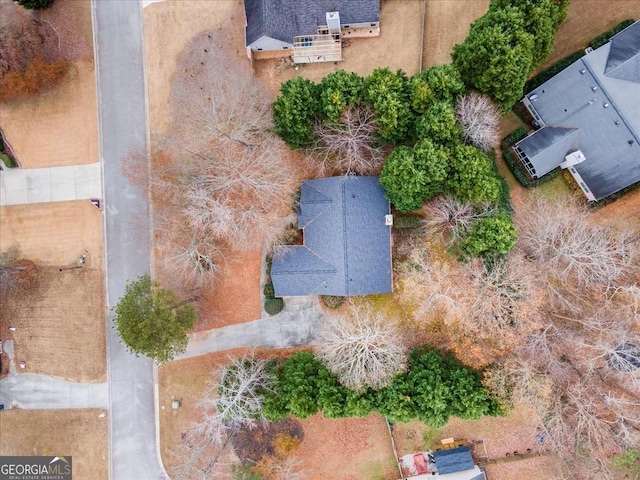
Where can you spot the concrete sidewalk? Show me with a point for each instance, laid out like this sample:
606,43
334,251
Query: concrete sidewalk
295,326
56,184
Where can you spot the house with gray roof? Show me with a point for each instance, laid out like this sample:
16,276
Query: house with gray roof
309,30
448,464
589,119
346,249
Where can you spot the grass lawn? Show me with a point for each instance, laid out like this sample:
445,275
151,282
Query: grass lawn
80,434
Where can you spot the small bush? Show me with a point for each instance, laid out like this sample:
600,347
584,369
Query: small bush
331,301
7,160
407,221
273,306
516,167
604,37
34,4
268,291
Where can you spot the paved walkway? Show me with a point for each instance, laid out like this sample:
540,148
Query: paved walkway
31,390
295,326
55,184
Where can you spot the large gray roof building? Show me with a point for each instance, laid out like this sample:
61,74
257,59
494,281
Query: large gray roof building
347,243
589,119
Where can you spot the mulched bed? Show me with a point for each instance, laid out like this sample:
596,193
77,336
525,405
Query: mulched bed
251,444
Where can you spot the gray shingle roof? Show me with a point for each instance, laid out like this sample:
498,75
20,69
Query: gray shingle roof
284,19
547,147
605,110
623,61
347,246
454,460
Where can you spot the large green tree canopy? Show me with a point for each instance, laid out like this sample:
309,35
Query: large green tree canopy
152,321
295,110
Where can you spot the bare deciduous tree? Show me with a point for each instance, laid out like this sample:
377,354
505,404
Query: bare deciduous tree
445,214
560,236
480,120
220,180
349,145
233,400
363,349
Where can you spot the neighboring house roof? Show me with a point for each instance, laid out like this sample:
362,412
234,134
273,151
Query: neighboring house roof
599,95
347,246
454,460
284,19
547,145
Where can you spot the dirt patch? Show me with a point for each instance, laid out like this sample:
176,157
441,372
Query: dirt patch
60,324
77,433
447,23
346,449
54,233
588,19
397,47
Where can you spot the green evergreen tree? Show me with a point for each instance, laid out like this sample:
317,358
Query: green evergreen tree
473,176
497,55
388,94
294,111
439,124
152,321
439,83
490,236
337,91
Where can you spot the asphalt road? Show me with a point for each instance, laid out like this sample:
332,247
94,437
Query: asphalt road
119,49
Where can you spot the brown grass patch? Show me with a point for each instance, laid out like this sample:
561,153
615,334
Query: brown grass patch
77,433
60,324
346,449
54,233
447,23
588,19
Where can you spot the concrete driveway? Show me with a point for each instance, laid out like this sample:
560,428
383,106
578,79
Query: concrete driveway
31,390
54,184
295,326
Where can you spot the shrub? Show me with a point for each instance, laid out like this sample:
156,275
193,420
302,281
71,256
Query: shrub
604,37
268,291
7,160
273,306
34,4
331,301
37,77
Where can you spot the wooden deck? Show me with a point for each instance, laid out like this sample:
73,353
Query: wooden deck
317,48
